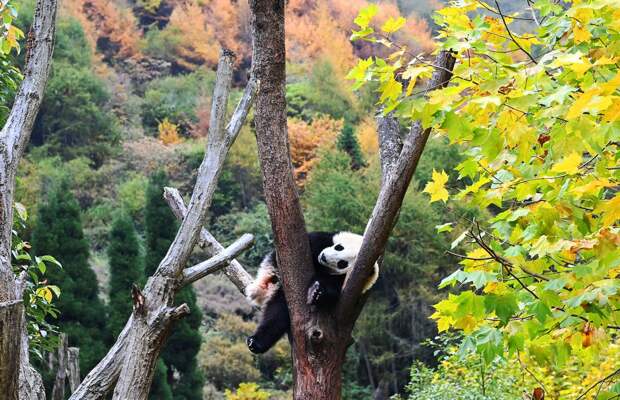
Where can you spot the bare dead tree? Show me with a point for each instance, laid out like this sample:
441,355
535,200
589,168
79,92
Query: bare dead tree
129,365
17,378
319,339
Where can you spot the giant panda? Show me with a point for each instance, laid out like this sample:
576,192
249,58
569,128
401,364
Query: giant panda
333,256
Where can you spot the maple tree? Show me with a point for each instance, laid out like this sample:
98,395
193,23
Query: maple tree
537,116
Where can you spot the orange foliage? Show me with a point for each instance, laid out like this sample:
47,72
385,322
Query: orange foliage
199,45
416,34
314,30
168,132
102,19
306,140
315,34
367,137
231,25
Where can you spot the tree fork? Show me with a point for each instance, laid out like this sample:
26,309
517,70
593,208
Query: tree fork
319,340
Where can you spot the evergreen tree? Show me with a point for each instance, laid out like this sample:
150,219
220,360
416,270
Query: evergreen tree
183,345
347,142
160,223
125,270
58,231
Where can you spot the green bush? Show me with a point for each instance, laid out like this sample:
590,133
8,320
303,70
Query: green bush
162,43
176,98
466,377
132,194
322,94
74,119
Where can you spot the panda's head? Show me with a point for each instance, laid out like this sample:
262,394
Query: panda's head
340,257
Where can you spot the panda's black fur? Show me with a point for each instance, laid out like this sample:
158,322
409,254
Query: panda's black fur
324,290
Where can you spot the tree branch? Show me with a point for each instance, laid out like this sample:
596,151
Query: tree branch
234,271
393,189
218,261
390,143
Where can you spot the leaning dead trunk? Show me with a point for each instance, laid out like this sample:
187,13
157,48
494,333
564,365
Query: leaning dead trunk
17,378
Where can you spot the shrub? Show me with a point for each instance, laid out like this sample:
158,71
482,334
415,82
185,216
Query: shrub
247,391
74,119
321,94
175,98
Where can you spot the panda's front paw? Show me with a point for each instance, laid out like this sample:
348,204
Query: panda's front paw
254,345
315,293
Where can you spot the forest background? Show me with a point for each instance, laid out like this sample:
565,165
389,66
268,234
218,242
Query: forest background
125,113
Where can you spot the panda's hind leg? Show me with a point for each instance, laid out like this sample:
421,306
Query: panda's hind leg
274,323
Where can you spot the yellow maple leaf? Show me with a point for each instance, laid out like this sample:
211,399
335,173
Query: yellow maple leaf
610,210
436,187
569,164
393,24
444,323
412,73
591,187
391,89
581,34
613,113
468,323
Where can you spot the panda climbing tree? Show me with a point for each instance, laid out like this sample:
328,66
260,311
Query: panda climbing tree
333,258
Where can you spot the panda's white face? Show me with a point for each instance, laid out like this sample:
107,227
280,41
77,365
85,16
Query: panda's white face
340,257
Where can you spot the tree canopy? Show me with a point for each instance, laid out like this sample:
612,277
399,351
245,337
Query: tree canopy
536,110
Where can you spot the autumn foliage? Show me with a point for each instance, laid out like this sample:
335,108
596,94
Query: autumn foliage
107,25
307,139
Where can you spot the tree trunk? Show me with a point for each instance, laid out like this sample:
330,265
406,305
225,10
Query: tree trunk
11,314
17,378
318,343
319,340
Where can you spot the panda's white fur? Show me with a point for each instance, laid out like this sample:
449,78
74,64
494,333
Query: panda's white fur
267,281
263,287
345,248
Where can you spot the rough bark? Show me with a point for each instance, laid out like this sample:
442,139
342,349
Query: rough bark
129,365
390,143
11,314
17,378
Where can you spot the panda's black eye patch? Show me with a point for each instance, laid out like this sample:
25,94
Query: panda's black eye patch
338,247
342,264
